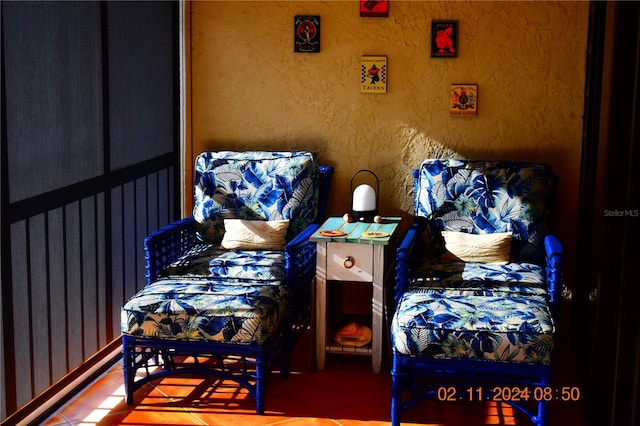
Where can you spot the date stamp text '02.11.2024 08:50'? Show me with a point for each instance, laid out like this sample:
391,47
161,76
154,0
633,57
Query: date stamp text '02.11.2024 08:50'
509,394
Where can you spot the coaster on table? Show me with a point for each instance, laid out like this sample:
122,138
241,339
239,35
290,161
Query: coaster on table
374,234
332,233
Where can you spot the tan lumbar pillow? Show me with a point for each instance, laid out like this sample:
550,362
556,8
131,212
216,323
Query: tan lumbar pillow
241,234
480,248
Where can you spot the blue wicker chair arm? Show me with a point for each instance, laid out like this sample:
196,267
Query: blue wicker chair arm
326,173
300,255
300,252
554,257
166,245
404,256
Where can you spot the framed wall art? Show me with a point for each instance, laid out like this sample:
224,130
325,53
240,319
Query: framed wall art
373,74
444,39
464,99
306,34
375,8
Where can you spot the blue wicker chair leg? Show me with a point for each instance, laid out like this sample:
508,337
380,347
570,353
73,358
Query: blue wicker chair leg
261,385
129,371
285,359
542,413
292,334
396,405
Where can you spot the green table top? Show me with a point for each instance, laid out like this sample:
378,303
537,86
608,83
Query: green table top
356,232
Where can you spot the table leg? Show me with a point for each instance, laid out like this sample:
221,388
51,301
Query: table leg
321,304
377,307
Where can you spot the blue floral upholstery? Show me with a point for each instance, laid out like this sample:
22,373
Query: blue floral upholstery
206,310
487,197
236,307
506,303
211,260
440,324
469,319
254,185
475,279
247,284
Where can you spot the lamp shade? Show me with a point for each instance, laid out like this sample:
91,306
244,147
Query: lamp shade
364,199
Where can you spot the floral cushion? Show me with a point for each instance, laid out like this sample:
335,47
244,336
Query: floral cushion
205,310
212,260
489,328
460,278
487,197
254,185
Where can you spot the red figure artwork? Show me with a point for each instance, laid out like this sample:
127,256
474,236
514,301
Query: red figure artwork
444,39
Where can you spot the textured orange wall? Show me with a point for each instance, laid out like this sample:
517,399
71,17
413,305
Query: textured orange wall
249,90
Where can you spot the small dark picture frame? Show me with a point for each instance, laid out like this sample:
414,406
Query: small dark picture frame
464,100
444,39
374,8
306,30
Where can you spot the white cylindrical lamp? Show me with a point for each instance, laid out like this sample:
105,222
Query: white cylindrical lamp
364,200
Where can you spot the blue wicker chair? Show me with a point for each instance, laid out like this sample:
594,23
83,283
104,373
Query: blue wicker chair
228,289
477,319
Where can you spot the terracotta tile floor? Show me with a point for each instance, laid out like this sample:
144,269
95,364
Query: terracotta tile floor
345,393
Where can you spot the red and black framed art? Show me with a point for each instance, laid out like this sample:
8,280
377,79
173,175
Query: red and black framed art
375,8
306,34
444,39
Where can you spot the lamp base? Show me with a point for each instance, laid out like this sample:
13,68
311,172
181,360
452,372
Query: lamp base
364,216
